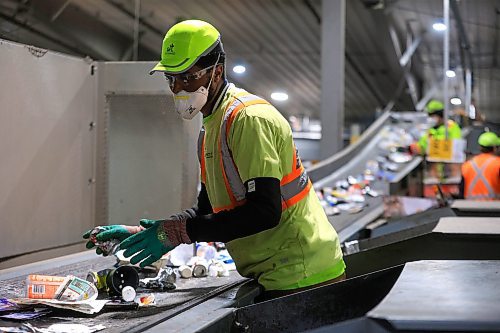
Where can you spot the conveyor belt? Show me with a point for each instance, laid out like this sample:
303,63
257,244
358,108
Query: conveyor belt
347,224
189,293
352,161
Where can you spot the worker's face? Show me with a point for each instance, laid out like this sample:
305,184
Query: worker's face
436,120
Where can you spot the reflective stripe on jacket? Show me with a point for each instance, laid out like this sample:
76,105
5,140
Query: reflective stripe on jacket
482,177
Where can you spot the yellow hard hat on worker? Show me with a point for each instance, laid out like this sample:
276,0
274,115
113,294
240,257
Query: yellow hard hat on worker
184,44
488,139
434,106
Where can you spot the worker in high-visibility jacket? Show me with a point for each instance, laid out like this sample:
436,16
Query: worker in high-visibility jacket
435,111
255,193
481,174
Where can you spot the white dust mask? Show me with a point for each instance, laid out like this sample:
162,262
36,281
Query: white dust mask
188,104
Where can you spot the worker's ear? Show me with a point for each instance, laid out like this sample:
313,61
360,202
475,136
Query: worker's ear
219,69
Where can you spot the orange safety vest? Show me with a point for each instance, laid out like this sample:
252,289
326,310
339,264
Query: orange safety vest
294,186
482,177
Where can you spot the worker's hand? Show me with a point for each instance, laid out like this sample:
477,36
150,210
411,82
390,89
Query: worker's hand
115,231
414,149
152,243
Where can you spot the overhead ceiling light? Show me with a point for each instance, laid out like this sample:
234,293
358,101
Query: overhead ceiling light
439,26
456,101
239,69
279,96
450,73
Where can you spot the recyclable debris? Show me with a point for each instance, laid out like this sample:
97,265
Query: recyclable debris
330,211
185,271
8,306
398,157
390,166
217,268
114,280
370,192
119,304
348,196
70,328
165,280
223,255
122,287
145,300
67,289
399,206
181,254
69,292
43,286
207,255
200,267
26,315
107,247
128,294
89,306
205,251
18,329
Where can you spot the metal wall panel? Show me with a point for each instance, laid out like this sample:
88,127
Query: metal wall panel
148,166
46,149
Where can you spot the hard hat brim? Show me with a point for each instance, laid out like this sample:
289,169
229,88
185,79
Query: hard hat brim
183,65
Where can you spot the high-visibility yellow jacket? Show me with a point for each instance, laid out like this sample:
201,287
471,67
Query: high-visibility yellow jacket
257,141
454,132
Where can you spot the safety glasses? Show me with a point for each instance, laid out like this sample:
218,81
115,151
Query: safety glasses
186,79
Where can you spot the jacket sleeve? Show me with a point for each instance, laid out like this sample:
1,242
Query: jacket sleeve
203,206
455,132
261,211
422,144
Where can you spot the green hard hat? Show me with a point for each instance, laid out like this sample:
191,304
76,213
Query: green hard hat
488,139
184,44
434,106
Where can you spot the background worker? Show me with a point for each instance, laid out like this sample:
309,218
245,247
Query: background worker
435,110
481,174
255,194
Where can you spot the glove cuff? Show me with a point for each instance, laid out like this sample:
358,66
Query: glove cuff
174,230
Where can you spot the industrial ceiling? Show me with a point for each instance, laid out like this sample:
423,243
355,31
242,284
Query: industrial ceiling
279,42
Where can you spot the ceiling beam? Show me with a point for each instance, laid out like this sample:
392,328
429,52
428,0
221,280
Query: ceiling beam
24,25
464,40
119,6
405,58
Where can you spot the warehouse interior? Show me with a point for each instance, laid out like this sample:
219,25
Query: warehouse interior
88,138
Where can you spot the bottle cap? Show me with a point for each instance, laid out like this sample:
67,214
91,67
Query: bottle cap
128,294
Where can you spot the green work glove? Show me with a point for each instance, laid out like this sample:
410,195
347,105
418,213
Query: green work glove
152,243
115,231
